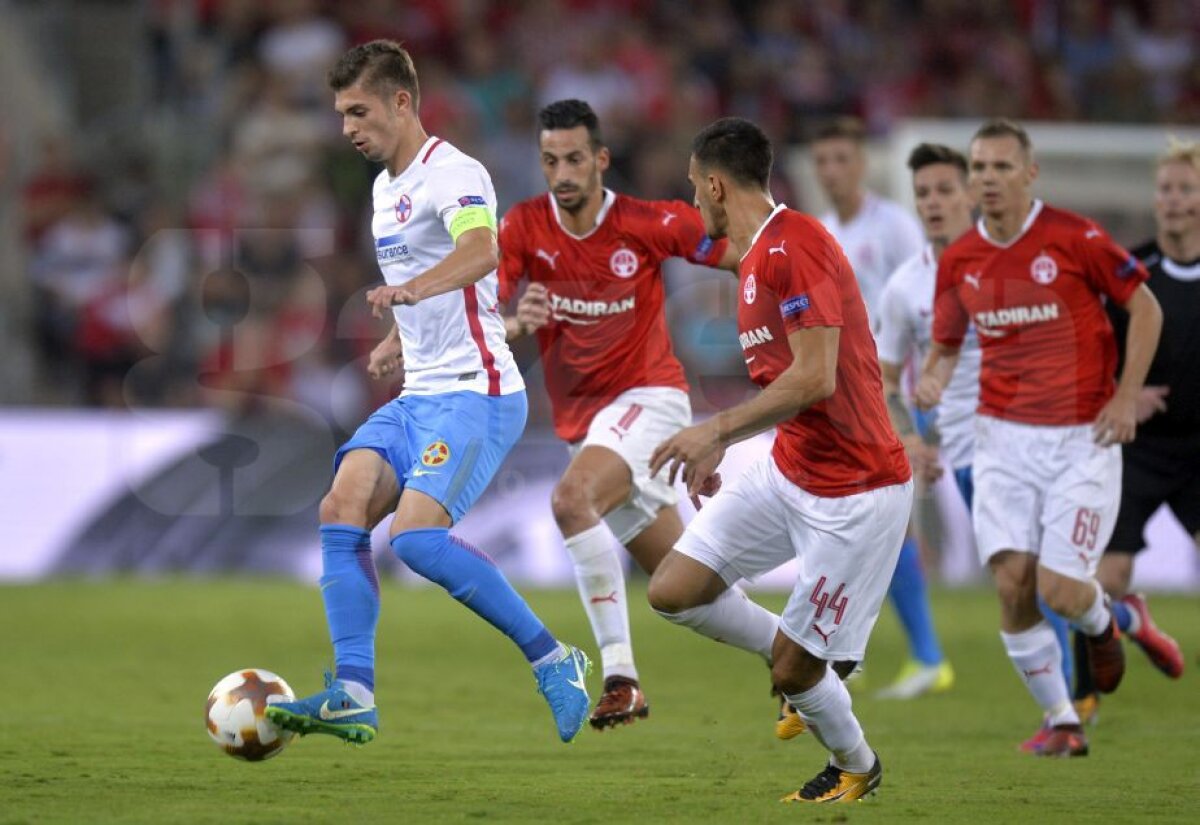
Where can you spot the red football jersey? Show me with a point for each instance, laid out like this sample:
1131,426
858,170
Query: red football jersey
607,332
1049,354
795,276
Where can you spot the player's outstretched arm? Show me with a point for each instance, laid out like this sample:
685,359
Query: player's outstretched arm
935,375
475,254
811,378
1117,421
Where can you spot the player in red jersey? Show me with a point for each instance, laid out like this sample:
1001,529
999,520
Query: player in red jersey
1032,279
595,298
836,489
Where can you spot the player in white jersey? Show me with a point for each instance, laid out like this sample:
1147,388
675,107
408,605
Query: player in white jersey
456,342
429,454
876,234
944,206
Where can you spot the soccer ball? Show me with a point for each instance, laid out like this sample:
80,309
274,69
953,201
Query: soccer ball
234,714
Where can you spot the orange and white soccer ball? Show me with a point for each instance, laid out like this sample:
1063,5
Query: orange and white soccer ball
234,714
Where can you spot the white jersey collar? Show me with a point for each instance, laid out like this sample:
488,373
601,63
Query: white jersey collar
609,199
418,158
1034,211
778,208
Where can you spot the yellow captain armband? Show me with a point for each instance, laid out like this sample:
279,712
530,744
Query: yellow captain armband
474,217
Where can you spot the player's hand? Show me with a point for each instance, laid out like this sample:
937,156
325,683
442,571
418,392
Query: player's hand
1117,421
923,457
929,392
383,298
708,488
1151,400
386,358
533,310
695,450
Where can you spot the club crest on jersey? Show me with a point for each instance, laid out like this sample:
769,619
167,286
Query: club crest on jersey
750,289
436,454
1043,269
623,263
404,208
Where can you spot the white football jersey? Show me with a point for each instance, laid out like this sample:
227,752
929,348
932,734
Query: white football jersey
906,330
876,241
454,341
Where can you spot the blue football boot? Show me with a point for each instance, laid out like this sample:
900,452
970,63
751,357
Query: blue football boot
332,711
561,682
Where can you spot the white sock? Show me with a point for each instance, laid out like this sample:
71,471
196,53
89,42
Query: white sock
553,656
1135,621
826,709
601,581
1097,618
359,692
1038,659
732,618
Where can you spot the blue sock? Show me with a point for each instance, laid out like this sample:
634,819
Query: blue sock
911,601
1061,630
1122,614
473,579
350,590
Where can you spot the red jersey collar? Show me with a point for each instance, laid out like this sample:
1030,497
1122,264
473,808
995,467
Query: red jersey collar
609,199
1034,211
778,208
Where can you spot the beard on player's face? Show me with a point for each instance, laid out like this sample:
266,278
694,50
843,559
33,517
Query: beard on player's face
574,196
570,199
716,221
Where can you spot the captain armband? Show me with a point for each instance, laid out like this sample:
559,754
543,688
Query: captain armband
474,217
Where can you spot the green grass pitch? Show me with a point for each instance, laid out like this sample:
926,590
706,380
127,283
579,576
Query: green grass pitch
106,682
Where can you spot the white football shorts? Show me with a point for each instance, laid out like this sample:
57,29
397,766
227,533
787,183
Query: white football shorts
632,426
847,549
1050,491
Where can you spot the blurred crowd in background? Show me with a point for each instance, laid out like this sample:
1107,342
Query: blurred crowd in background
223,261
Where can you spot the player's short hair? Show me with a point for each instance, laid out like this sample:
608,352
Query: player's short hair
568,114
382,65
737,146
1181,151
929,154
1003,127
846,127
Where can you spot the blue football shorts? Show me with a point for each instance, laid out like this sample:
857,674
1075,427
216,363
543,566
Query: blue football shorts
448,446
